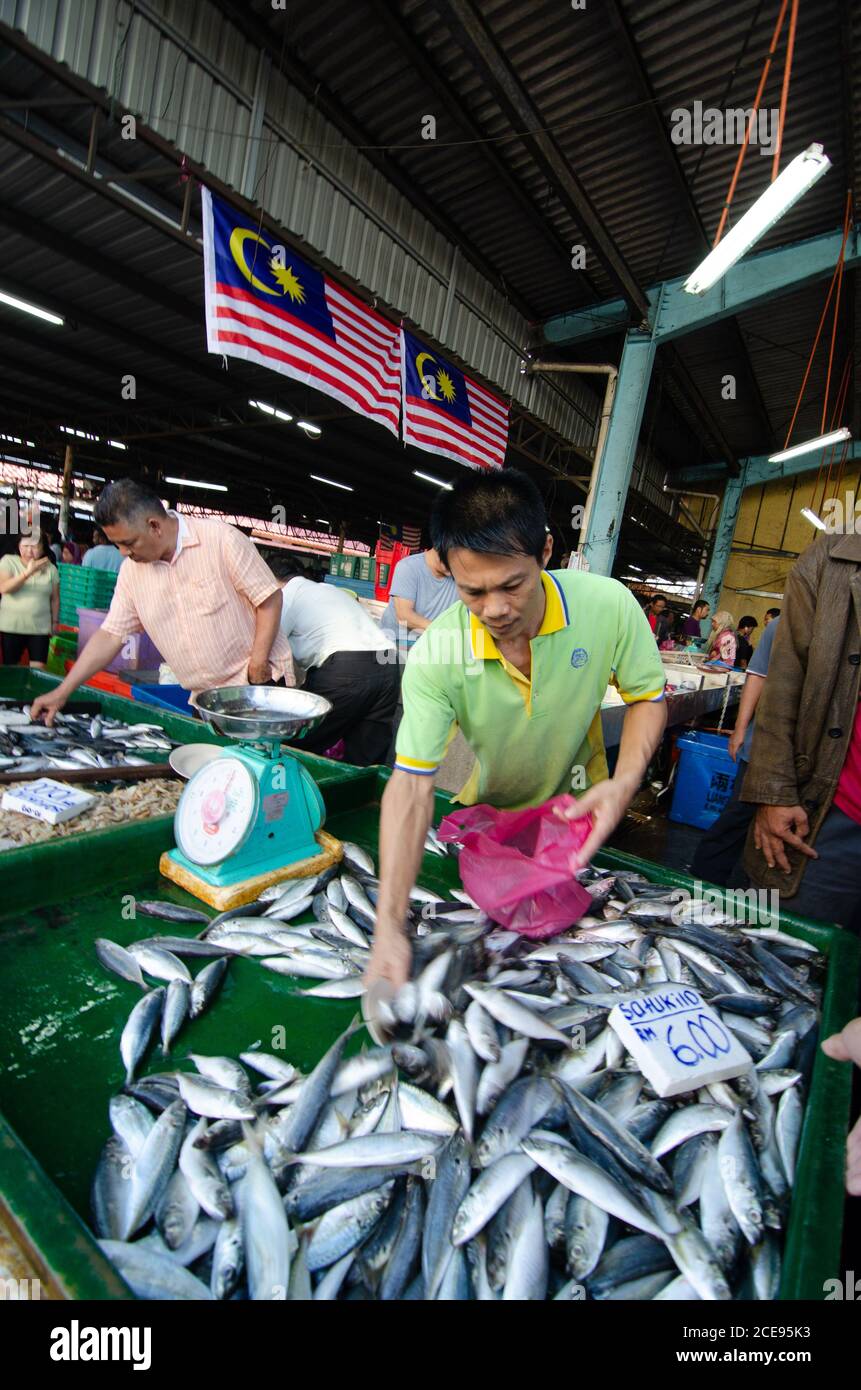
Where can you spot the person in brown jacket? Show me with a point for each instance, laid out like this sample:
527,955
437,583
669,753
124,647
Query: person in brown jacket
804,774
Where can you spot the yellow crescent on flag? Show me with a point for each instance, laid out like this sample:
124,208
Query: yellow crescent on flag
429,381
238,237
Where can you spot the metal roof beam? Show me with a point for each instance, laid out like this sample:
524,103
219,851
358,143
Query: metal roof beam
669,154
757,469
469,27
751,281
321,98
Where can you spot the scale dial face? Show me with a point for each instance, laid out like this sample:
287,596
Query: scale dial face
217,811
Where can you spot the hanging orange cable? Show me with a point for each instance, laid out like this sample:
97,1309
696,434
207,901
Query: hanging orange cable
784,94
831,287
757,99
835,418
847,222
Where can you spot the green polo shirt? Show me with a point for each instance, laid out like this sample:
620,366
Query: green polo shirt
528,735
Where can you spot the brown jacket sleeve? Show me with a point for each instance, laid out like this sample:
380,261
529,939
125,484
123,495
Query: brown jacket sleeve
770,779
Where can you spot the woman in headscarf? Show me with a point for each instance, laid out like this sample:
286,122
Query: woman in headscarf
724,643
71,553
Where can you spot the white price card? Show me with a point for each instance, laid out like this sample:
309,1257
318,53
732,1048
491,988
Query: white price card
47,800
677,1040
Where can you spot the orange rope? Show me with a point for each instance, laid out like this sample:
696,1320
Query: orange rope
818,332
838,411
758,98
847,221
784,95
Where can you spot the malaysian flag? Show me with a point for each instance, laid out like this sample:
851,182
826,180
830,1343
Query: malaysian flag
447,413
267,305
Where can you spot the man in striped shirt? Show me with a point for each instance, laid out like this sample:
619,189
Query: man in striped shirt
198,588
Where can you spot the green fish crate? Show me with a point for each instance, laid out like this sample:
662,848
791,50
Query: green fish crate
61,1016
82,587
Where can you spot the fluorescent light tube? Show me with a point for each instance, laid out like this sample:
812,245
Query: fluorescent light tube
330,481
814,520
798,176
27,308
308,427
188,482
429,478
261,405
809,446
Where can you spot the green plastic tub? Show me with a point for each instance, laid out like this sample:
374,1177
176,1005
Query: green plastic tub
61,1015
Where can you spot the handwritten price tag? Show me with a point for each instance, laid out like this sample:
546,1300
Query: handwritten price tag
47,800
677,1039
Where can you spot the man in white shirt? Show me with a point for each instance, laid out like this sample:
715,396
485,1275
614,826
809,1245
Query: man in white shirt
347,659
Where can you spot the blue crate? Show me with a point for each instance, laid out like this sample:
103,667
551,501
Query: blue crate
705,776
363,587
172,697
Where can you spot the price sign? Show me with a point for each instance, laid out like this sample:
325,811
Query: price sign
677,1040
47,800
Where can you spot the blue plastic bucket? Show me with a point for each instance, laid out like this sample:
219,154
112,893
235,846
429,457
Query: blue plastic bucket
704,779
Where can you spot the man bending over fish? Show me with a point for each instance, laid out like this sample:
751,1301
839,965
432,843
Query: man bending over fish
198,588
520,665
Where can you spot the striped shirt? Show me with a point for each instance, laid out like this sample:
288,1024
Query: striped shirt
198,607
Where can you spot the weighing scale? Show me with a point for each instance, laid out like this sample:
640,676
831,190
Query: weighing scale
252,815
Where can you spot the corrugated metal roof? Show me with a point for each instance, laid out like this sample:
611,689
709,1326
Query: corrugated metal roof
604,81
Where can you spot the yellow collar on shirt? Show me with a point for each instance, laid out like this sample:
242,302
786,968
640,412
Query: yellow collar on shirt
555,618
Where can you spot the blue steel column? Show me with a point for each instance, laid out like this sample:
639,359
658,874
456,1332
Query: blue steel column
612,473
724,532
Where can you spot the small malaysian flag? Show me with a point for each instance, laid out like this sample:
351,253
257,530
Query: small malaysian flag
447,413
267,305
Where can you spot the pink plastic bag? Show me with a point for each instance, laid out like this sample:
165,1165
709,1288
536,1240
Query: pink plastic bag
517,864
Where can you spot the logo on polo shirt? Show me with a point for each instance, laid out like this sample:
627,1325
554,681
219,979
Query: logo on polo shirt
579,657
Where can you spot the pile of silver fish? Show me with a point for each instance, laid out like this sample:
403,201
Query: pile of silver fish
74,741
502,1145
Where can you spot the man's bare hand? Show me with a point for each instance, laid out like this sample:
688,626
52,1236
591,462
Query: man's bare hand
846,1047
47,705
776,827
736,739
258,671
606,803
390,960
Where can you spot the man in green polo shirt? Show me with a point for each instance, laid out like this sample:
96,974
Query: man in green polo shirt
520,666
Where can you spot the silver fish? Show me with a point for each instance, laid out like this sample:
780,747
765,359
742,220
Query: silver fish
120,961
138,1032
265,1231
154,1165
203,1177
176,1005
205,986
206,1098
493,1186
228,1259
150,1275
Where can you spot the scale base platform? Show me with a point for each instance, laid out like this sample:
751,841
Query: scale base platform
230,895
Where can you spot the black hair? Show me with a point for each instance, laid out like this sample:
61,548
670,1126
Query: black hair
125,499
700,603
748,621
99,537
653,598
772,612
286,566
498,513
